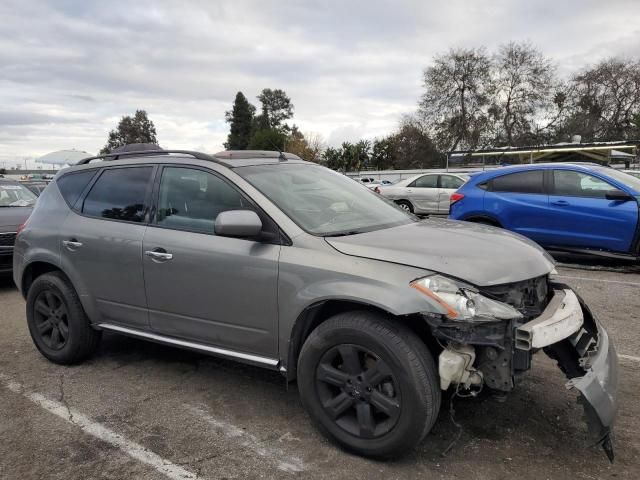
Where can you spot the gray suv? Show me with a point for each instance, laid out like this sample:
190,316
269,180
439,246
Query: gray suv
269,260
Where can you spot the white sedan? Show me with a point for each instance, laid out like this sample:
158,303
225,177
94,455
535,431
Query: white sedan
371,182
424,194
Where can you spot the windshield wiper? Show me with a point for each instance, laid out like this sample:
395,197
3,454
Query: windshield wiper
343,234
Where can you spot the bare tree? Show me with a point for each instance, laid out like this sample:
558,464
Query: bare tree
605,101
455,106
523,83
308,146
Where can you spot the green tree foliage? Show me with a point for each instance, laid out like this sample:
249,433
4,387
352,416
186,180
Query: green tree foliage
276,109
333,158
412,147
136,129
408,148
240,120
268,130
268,139
382,153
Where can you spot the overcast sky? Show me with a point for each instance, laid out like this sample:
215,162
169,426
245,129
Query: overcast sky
69,69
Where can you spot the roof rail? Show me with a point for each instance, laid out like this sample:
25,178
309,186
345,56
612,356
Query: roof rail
142,153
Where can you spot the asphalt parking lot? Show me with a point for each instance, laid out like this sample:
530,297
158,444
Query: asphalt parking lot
140,410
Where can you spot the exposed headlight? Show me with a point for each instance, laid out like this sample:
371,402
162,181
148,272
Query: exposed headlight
462,302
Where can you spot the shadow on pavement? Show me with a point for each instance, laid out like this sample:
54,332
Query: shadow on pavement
6,282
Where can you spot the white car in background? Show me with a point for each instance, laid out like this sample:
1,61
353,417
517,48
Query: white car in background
424,194
371,182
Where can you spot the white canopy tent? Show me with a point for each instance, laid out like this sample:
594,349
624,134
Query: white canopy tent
63,157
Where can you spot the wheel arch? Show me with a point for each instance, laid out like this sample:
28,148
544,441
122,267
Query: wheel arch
34,270
483,218
39,267
317,313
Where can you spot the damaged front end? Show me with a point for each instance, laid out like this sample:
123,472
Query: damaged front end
588,358
495,352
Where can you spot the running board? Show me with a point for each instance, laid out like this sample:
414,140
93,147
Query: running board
154,337
594,253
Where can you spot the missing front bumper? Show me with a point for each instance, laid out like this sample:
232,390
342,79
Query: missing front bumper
588,358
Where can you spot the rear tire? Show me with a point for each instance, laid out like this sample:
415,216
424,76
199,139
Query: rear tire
369,384
58,325
405,205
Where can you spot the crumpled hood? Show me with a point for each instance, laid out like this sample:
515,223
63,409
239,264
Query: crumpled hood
478,254
12,217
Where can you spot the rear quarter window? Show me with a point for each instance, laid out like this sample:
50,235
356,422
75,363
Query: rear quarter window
71,185
521,182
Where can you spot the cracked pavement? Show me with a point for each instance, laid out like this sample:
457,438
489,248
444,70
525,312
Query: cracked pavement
220,419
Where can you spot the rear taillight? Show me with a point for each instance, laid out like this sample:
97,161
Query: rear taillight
455,197
377,189
20,228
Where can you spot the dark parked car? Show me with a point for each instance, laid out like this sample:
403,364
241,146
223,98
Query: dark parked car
16,203
584,208
36,186
267,259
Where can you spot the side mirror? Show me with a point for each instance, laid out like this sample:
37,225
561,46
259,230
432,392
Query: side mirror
617,195
238,223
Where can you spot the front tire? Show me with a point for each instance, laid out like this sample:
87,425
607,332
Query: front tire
369,384
57,322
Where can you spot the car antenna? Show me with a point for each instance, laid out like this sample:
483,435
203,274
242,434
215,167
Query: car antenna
282,157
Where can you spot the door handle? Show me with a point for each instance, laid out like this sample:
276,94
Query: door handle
72,245
159,255
560,203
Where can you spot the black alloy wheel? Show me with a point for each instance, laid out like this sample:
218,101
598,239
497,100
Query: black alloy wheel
369,383
51,319
57,322
358,391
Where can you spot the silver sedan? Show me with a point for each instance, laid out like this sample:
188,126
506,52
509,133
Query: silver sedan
425,193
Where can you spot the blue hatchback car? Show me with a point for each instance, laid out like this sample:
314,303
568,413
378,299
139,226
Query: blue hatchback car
585,208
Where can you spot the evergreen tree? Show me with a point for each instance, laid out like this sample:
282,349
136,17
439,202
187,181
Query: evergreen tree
136,129
240,119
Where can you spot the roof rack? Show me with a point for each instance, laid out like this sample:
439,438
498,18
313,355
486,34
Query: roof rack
254,154
143,153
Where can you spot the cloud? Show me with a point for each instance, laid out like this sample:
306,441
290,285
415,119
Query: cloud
70,69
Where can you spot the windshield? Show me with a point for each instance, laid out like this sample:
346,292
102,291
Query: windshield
13,195
628,180
323,202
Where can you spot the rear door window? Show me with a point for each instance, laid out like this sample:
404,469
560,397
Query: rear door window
71,185
521,182
427,181
577,184
119,194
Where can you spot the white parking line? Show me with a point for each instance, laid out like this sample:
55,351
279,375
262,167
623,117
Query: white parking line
619,282
629,357
282,460
72,416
